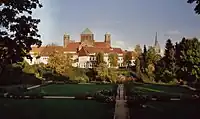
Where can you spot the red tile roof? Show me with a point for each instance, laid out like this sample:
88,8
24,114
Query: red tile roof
89,50
72,46
101,45
118,50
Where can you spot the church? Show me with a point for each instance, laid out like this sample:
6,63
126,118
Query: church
83,52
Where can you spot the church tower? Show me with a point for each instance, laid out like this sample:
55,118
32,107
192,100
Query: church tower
107,38
156,44
87,37
66,40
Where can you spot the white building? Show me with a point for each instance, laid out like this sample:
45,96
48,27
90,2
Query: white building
83,52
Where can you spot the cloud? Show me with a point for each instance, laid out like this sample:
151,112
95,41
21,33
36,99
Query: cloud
120,44
123,45
173,32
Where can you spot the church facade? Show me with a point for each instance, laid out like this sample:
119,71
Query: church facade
83,52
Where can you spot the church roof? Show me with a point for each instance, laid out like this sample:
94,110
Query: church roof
87,31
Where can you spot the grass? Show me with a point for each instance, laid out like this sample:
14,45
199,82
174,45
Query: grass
160,89
54,109
167,109
70,89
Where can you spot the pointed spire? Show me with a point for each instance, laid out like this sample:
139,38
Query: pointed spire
156,39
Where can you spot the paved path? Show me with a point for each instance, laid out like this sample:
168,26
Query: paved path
121,111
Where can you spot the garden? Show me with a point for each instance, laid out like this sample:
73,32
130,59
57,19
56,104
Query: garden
36,106
147,101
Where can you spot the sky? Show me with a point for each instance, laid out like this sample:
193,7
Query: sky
130,22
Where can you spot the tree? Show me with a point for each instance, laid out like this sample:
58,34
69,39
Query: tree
18,30
143,59
60,62
113,59
170,60
197,8
112,75
102,71
138,50
165,69
138,69
188,53
100,58
127,58
152,59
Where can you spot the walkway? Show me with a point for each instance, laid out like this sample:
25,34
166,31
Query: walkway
121,111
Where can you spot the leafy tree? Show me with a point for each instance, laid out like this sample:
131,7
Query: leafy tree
18,30
100,58
166,67
159,71
138,69
143,59
127,58
112,75
59,62
197,8
170,60
152,59
188,53
113,58
138,50
102,71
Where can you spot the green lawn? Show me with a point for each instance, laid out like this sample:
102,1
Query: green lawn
154,89
165,109
54,109
70,89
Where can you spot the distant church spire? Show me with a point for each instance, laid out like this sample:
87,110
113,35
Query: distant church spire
156,39
156,45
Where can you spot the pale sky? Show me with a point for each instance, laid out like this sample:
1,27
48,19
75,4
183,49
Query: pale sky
130,22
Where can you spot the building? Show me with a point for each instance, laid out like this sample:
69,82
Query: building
83,52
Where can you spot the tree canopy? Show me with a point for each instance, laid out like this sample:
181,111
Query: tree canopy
60,62
113,59
18,29
100,58
197,7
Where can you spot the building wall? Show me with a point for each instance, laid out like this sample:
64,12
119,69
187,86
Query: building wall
80,61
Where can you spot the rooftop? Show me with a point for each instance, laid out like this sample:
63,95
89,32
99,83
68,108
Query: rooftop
87,31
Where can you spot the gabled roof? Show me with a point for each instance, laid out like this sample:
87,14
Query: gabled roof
87,31
83,52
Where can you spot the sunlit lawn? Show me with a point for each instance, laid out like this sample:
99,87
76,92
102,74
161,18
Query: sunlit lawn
70,89
157,89
54,109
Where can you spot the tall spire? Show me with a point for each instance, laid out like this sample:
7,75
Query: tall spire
156,39
156,45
